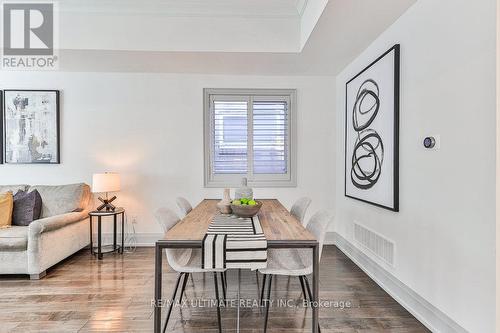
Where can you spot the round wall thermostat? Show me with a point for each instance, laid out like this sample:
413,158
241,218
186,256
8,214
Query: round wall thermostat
429,142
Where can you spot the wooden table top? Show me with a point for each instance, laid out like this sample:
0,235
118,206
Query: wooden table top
277,223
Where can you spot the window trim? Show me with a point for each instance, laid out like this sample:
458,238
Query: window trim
287,180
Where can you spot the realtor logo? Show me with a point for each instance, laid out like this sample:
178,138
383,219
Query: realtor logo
29,36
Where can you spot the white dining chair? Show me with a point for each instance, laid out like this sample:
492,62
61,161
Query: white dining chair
186,262
295,262
299,208
184,205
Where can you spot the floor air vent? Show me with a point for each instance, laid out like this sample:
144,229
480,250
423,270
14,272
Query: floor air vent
377,244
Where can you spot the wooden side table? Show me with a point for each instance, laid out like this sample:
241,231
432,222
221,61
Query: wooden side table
99,214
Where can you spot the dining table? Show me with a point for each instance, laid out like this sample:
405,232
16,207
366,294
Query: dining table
281,229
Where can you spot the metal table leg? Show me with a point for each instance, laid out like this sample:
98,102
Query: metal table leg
123,232
197,244
160,245
114,232
91,244
158,282
99,254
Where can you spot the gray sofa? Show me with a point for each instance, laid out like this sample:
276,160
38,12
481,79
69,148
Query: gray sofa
62,230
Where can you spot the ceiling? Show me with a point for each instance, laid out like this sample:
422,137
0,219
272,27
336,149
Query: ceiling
344,29
191,8
187,25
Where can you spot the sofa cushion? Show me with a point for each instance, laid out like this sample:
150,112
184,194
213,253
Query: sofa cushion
14,238
27,207
13,188
6,206
61,199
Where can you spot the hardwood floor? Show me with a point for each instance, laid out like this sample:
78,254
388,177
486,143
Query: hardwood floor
82,294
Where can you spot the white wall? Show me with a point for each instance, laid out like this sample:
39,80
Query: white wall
149,128
445,230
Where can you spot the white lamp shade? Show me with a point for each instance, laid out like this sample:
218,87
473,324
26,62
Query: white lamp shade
105,182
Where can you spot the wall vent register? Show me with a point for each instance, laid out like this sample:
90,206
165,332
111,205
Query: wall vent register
378,245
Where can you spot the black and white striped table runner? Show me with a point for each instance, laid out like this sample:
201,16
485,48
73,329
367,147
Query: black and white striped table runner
233,242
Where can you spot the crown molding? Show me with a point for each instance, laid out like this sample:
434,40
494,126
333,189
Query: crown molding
192,8
301,6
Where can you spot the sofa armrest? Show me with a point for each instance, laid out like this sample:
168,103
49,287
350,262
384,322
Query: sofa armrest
55,222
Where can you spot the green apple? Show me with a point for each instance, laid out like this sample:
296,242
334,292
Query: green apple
252,203
236,202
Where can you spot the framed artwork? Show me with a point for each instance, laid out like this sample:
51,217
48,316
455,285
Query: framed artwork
31,127
372,133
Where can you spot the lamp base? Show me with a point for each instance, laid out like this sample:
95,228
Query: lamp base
106,204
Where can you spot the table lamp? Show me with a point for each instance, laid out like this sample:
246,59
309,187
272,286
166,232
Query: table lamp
104,183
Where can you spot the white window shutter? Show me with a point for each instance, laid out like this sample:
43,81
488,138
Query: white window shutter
230,137
270,137
249,133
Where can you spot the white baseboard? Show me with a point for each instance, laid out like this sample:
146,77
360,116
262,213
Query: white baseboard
433,318
330,238
142,239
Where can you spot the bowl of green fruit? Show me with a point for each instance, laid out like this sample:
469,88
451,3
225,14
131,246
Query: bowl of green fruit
245,207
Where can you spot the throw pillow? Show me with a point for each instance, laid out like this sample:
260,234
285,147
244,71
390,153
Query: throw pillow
27,207
6,207
62,199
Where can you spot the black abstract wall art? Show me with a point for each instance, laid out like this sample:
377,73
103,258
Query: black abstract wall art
372,133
